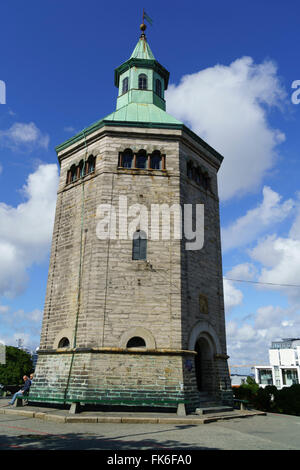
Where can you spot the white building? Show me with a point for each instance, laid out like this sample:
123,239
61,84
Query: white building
283,370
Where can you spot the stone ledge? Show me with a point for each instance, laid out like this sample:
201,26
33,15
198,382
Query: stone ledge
166,352
191,420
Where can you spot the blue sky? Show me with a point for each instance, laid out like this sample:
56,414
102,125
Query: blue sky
239,60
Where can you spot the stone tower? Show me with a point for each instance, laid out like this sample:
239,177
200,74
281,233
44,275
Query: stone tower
134,320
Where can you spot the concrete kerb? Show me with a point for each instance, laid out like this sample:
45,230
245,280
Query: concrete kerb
192,420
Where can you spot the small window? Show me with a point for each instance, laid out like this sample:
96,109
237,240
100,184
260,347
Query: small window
127,159
81,169
90,166
64,343
139,245
143,82
136,342
158,87
155,161
189,168
141,159
73,173
125,85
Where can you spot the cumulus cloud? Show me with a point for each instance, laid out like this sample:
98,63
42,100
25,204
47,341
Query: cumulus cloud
256,221
21,135
227,106
26,230
232,295
249,342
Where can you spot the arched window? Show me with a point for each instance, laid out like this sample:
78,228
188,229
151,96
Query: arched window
143,81
81,169
139,245
125,85
155,160
90,165
127,158
141,159
73,173
136,342
158,87
64,343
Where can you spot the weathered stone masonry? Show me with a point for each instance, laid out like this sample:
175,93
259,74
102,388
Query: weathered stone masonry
98,297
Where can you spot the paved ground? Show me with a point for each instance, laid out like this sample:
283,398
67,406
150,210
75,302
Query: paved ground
269,432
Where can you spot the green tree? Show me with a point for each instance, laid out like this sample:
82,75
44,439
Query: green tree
18,363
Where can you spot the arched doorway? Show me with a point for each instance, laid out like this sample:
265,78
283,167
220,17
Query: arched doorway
204,365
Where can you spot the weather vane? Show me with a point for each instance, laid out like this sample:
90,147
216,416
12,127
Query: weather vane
147,18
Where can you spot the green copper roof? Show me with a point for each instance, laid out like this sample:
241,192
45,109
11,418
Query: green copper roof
142,112
142,50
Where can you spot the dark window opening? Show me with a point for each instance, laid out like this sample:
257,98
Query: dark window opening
64,343
125,85
143,82
200,176
127,159
155,161
139,245
73,173
90,168
136,342
158,87
141,159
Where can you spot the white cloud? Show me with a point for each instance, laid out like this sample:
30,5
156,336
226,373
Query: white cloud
227,106
256,221
243,271
232,295
26,230
249,343
23,134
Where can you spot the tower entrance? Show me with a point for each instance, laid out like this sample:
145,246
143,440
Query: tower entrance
204,365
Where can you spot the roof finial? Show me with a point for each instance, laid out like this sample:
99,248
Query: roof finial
143,26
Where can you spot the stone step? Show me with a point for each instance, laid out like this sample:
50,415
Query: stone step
213,409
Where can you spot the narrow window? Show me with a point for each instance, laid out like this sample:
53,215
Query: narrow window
125,85
69,177
136,342
189,168
73,173
155,161
158,87
143,85
127,159
90,166
141,159
81,169
139,245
